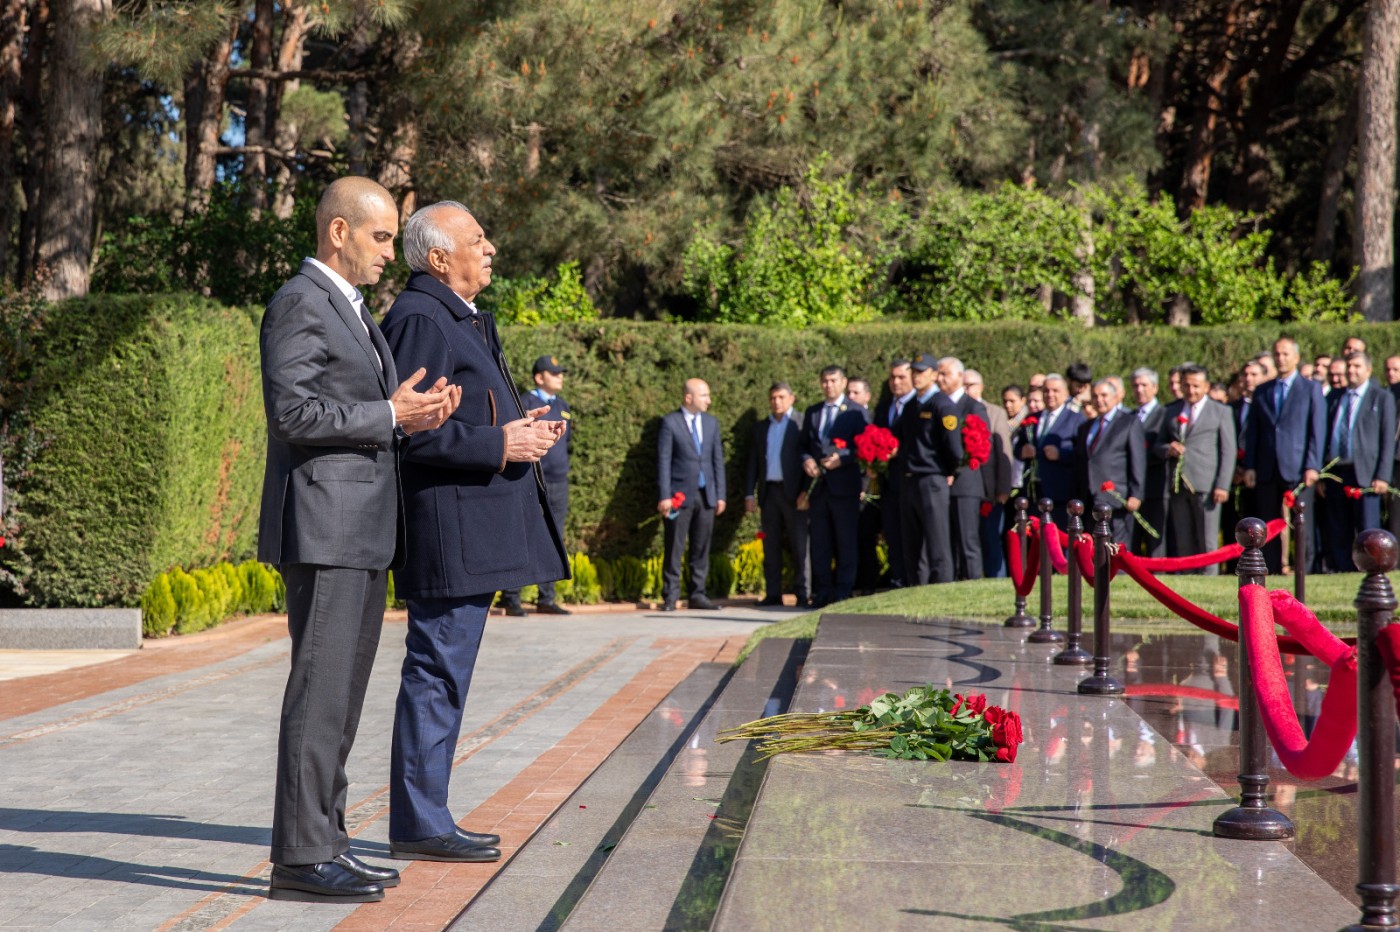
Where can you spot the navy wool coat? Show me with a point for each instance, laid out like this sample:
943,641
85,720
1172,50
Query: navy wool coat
474,523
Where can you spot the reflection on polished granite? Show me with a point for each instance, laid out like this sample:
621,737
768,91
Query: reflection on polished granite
1103,822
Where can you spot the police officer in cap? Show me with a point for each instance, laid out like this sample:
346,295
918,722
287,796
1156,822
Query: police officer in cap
549,381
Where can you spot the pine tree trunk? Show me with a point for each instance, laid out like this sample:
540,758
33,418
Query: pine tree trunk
31,135
284,134
73,128
1324,243
204,117
11,75
255,124
1200,153
1375,176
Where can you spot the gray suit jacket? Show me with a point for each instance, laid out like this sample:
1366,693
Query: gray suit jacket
331,488
1210,445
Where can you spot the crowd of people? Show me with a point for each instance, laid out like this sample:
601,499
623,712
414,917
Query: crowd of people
1178,457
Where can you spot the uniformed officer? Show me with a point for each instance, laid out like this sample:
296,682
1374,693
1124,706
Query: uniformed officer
549,381
930,451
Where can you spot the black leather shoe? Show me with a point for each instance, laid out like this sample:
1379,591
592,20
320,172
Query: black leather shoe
328,882
516,611
668,607
701,603
552,608
449,847
386,877
769,603
479,839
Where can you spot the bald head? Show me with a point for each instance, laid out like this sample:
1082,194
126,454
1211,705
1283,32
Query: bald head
356,221
697,396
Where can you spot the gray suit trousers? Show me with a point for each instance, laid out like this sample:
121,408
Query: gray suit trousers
334,616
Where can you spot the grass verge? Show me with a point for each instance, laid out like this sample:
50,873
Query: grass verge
990,601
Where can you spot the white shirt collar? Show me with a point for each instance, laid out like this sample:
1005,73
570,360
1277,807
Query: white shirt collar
956,396
351,293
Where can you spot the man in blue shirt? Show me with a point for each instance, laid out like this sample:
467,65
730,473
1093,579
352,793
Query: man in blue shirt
773,480
549,382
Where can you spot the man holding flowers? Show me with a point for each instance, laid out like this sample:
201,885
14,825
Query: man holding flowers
1112,449
1198,443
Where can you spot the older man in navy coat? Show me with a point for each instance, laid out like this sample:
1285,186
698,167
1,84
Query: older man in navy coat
477,514
1361,438
1283,440
689,461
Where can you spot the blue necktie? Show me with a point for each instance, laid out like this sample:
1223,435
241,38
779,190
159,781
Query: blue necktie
695,434
1279,393
1342,432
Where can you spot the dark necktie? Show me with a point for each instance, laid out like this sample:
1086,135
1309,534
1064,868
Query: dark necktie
695,435
1342,430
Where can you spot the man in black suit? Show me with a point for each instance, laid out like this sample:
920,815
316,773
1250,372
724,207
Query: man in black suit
689,460
930,451
1112,449
1150,414
1361,438
887,415
330,522
478,520
772,482
829,429
1056,472
868,525
969,488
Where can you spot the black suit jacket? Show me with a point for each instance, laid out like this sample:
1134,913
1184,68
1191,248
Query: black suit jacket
1280,444
930,443
845,480
756,475
1373,434
971,483
475,522
1119,456
1155,486
678,466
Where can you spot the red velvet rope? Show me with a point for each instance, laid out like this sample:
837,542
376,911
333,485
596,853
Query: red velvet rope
1022,577
1388,640
1336,723
1057,551
1185,692
1193,613
1201,560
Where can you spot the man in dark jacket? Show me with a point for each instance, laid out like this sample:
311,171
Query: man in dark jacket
969,488
689,460
887,415
772,482
1361,439
829,429
1112,449
548,376
477,515
930,449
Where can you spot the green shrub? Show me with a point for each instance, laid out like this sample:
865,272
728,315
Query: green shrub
260,584
719,581
158,608
629,578
748,568
192,610
652,565
583,588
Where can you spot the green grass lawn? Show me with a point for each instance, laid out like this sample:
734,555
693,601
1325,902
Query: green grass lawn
990,601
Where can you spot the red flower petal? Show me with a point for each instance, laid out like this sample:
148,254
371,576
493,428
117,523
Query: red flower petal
1108,486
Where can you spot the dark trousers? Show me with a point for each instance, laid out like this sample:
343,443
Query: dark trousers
868,547
1154,512
695,523
993,549
926,530
965,535
835,526
1347,517
559,508
783,525
334,616
442,642
1392,507
890,519
1268,505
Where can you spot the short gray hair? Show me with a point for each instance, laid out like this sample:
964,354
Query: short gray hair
422,234
953,363
1142,372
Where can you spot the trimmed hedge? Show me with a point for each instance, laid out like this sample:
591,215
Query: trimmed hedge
137,444
135,435
182,603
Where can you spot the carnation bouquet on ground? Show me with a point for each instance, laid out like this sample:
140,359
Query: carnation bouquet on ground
926,723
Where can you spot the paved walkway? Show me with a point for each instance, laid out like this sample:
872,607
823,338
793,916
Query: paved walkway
137,791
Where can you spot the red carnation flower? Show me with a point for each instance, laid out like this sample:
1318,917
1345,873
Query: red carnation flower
1353,492
974,463
839,444
678,500
1108,486
1289,499
1030,421
1239,454
760,536
1182,419
985,509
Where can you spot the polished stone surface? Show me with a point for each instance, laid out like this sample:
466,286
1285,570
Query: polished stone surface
1102,822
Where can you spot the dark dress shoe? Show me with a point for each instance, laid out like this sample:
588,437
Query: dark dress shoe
702,604
668,607
552,608
480,839
769,603
516,611
328,882
449,847
386,877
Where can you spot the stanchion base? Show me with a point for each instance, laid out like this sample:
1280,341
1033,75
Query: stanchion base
1019,621
1046,636
1253,825
1377,907
1100,686
1074,656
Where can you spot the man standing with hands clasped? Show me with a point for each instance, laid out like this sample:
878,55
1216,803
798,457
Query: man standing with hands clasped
689,461
478,520
829,430
336,412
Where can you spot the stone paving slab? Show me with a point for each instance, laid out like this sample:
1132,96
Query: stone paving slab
144,801
70,628
1075,833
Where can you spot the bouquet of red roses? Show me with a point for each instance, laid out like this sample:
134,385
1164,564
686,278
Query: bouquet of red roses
977,441
874,447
